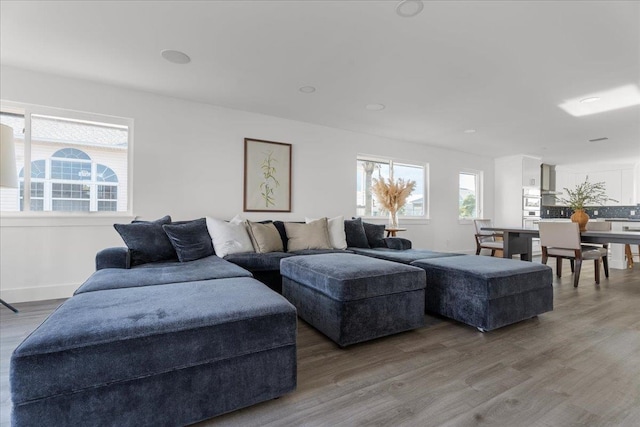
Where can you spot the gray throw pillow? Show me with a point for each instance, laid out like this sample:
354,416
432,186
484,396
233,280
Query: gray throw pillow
265,237
314,235
356,237
191,239
375,234
147,241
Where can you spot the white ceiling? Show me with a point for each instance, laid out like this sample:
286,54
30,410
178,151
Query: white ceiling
500,67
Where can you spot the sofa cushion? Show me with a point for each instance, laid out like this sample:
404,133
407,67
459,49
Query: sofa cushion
486,277
124,334
337,236
375,234
356,236
265,237
191,240
349,277
147,241
314,235
258,262
229,237
211,267
406,256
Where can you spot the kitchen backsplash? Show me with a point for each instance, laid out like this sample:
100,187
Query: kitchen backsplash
603,212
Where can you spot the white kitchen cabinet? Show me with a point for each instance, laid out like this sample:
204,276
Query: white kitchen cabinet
564,179
531,172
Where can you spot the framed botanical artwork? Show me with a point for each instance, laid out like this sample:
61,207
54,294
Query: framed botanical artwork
267,176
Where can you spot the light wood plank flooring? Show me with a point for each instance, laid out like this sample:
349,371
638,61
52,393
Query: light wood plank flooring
576,366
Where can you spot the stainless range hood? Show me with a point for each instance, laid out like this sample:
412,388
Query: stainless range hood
548,184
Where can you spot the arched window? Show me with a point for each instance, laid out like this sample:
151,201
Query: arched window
70,181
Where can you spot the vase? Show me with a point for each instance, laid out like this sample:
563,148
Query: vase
393,219
581,217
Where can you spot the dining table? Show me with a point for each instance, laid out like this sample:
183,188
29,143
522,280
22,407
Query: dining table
519,241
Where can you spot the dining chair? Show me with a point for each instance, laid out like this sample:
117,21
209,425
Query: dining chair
561,240
604,248
487,239
628,254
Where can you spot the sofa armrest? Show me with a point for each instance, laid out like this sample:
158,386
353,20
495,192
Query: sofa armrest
397,243
117,257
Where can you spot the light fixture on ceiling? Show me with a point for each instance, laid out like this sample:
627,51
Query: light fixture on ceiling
409,8
602,101
307,89
470,131
375,107
175,56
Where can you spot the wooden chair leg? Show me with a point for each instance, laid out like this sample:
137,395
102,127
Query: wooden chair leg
605,264
576,275
597,267
558,266
544,259
573,269
478,250
493,252
629,255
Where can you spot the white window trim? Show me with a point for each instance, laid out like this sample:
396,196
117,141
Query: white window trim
479,194
414,219
28,110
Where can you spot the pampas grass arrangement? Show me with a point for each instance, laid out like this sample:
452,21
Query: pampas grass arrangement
392,195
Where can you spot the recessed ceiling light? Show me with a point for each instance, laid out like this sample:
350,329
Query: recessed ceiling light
175,56
588,100
375,107
607,100
470,131
307,89
409,8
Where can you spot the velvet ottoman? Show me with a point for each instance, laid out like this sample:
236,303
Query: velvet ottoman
166,355
487,292
352,298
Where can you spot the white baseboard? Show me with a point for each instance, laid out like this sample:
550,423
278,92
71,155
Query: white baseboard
39,293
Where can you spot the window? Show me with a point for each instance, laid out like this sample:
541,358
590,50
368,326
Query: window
369,168
66,163
469,196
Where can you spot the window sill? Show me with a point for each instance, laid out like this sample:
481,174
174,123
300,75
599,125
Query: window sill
10,219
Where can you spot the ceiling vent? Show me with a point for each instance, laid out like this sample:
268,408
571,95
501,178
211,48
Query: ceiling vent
598,139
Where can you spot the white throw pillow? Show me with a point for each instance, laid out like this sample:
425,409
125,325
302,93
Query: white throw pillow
229,237
337,236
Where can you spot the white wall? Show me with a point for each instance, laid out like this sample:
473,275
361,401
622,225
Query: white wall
188,162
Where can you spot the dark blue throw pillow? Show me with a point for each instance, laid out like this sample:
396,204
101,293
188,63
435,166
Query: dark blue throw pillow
375,234
147,241
190,239
356,236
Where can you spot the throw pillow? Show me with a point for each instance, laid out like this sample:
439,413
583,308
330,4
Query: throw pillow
375,234
283,233
229,237
354,230
190,239
265,237
337,236
314,235
147,241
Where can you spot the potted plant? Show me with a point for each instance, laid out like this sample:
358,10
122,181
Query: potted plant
392,195
585,194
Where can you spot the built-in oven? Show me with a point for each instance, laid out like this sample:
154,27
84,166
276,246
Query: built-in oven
531,203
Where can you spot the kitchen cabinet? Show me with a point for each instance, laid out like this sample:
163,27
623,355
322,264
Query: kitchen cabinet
618,184
531,172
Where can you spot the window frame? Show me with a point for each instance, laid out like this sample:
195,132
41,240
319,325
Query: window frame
479,194
395,160
27,110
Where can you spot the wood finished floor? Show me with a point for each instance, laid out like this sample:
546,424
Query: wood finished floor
576,366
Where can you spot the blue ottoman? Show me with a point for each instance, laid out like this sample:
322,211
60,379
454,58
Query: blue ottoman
165,355
487,292
353,298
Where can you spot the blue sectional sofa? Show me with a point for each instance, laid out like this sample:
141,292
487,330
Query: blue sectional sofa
164,338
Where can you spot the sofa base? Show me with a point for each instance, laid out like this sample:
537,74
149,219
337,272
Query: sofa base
351,322
186,395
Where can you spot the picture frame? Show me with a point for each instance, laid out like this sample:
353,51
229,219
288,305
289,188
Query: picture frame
267,176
